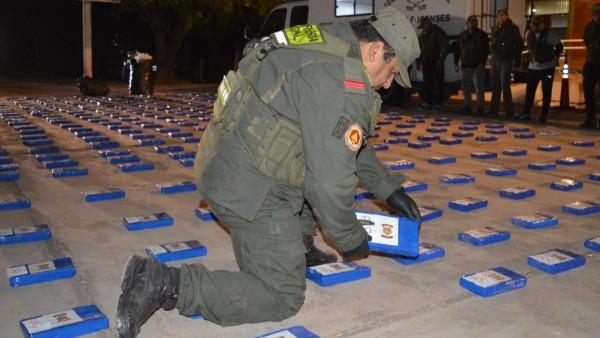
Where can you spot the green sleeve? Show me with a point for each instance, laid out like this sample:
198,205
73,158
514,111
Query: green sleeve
374,177
331,180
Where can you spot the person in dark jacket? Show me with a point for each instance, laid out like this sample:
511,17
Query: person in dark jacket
591,70
434,49
506,48
473,50
544,48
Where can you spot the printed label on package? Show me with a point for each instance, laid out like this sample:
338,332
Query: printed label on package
486,279
41,267
178,246
281,334
480,233
156,249
6,232
16,271
382,229
51,321
329,269
25,229
552,257
144,218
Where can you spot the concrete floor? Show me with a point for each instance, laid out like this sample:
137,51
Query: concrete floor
423,300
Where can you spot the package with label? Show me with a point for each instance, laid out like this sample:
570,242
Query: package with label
556,261
73,322
150,221
26,233
427,252
176,251
483,236
492,282
390,234
337,273
34,273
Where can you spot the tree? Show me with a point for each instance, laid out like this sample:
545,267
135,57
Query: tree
171,20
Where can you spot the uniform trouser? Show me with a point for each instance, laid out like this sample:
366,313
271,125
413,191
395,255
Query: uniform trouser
473,76
500,78
271,282
591,76
433,82
534,76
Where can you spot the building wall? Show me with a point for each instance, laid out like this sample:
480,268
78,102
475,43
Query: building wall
580,14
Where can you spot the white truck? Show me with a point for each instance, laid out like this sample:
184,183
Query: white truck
450,15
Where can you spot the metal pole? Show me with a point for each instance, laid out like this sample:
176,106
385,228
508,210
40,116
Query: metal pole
87,38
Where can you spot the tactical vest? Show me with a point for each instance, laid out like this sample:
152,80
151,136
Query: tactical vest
539,48
273,141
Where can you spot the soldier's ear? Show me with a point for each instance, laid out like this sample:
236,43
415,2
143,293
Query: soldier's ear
375,48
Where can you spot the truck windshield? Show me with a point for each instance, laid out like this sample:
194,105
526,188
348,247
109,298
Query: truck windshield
299,16
275,22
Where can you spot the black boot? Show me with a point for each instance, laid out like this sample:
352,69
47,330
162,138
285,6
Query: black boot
314,255
147,286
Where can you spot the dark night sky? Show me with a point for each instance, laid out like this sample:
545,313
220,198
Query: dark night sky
42,39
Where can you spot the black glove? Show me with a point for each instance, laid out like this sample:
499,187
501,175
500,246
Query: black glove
361,251
404,205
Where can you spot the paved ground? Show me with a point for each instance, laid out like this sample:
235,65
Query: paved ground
422,300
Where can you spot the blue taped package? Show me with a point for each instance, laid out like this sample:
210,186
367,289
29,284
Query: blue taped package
405,125
33,137
104,145
583,143
441,159
483,236
15,204
549,148
297,331
494,125
436,130
61,164
161,219
385,122
175,251
502,171
94,139
205,214
364,195
44,150
400,133
541,166
181,155
517,193
427,252
399,165
524,136
390,234
124,159
566,184
9,167
519,129
75,322
32,132
416,120
104,195
337,273
492,282
395,140
69,172
484,155
462,134
444,119
497,131
85,134
35,143
428,138
570,161
429,213
153,142
113,153
170,188
486,138
411,186
468,128
592,244
168,149
131,167
8,176
457,178
142,136
536,221
186,162
180,134
167,130
449,141
5,160
471,122
190,139
468,204
419,145
514,152
595,176
51,157
556,261
440,124
22,234
41,272
581,208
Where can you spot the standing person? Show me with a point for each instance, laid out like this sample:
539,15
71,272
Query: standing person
544,48
434,49
506,48
289,125
473,51
591,70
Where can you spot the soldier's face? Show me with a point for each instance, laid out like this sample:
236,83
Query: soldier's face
381,72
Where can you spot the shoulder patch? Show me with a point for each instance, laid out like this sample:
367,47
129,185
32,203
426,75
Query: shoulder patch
303,35
340,127
354,137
